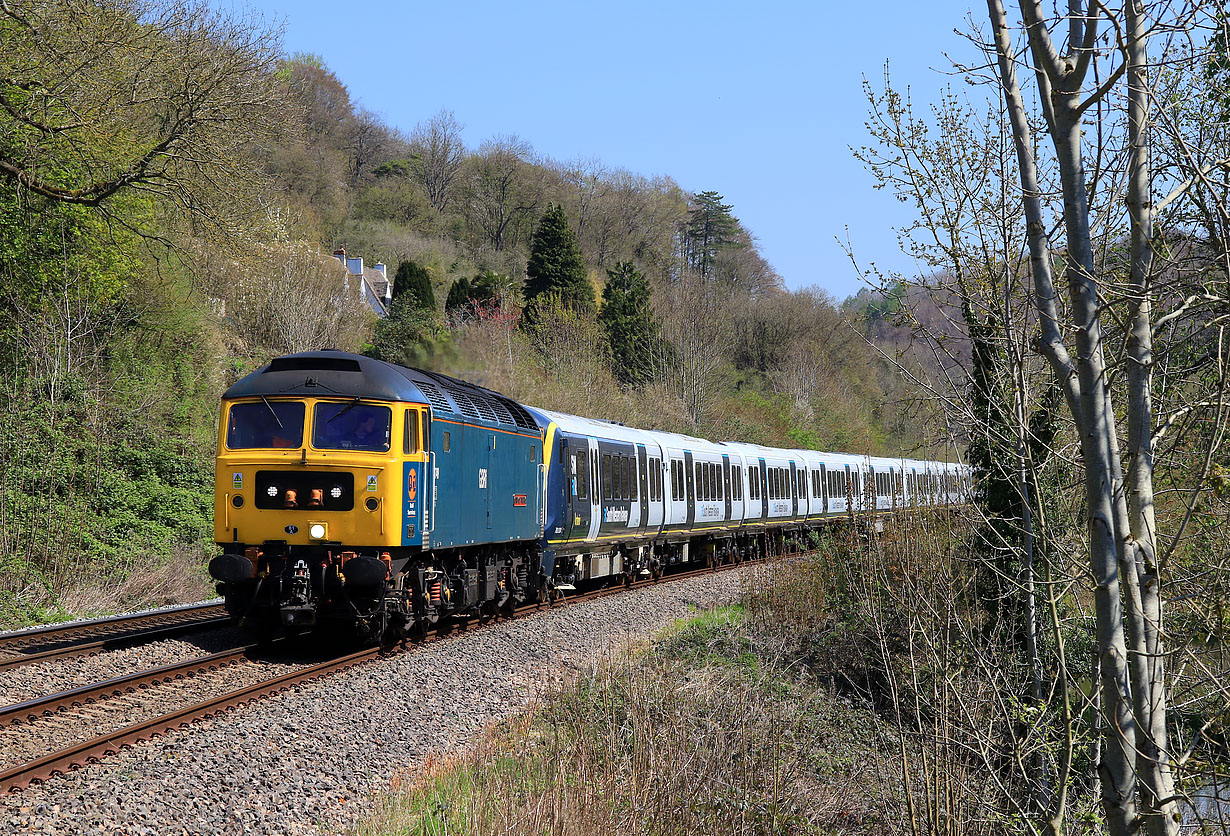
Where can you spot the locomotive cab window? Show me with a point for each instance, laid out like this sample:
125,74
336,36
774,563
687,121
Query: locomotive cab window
410,439
351,426
265,424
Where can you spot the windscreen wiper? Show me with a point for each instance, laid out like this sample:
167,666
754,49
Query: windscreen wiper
269,406
344,410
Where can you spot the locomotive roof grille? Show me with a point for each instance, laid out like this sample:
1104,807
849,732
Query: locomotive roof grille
434,396
463,403
312,364
521,417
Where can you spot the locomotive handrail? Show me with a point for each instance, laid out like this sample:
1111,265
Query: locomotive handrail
431,522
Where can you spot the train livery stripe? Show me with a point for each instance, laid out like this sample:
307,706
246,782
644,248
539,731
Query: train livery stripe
480,426
547,454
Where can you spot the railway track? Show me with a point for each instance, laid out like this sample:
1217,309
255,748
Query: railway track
27,726
80,638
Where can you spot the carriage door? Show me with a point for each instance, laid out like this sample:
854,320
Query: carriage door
691,488
794,491
580,498
726,482
762,473
642,460
484,476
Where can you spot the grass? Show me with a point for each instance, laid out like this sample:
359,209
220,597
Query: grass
712,726
143,584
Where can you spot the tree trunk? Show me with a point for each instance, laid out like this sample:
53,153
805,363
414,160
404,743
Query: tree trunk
1140,547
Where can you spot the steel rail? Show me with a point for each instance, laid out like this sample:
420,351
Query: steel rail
21,776
56,640
35,709
114,642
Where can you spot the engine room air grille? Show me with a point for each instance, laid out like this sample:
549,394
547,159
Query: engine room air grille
501,412
464,403
434,396
474,400
521,417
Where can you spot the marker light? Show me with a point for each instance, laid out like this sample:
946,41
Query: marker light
336,492
317,531
272,490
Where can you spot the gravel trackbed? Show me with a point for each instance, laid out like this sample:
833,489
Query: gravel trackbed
311,760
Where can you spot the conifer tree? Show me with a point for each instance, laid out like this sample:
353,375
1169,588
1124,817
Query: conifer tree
413,283
711,228
458,295
556,265
629,324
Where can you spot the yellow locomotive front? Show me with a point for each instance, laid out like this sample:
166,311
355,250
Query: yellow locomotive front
303,472
316,496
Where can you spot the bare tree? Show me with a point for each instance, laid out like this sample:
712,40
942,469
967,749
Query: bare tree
698,338
439,153
500,191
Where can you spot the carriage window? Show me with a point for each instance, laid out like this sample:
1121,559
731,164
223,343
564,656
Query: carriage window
606,475
582,475
630,490
445,441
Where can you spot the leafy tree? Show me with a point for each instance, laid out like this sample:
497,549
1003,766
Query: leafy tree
393,168
631,330
486,287
412,283
154,95
556,265
409,336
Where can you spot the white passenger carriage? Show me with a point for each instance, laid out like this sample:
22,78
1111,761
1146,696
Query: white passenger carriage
625,501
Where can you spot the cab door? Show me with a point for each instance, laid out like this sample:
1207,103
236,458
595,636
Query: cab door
580,501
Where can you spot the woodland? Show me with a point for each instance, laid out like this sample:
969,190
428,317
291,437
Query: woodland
1051,660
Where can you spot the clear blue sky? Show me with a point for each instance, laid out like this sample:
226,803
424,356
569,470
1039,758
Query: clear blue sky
759,102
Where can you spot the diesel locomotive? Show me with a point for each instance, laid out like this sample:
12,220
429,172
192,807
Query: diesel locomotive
359,496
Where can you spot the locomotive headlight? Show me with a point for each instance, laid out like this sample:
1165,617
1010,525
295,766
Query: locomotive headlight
272,490
336,492
317,531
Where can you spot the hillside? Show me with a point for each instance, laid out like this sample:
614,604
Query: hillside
157,250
